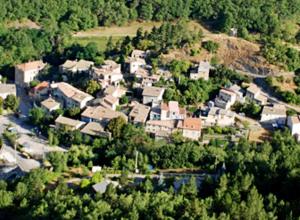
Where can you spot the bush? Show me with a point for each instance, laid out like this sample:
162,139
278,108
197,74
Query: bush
124,100
84,183
210,46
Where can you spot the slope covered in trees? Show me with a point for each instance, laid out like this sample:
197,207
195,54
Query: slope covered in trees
266,17
258,181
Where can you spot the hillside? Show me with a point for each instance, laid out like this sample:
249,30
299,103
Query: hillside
233,52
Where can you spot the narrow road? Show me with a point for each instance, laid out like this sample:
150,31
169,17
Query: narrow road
259,80
267,92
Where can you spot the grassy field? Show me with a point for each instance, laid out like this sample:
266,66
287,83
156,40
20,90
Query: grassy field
100,35
117,31
100,41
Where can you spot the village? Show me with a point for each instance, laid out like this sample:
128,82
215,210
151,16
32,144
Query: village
130,93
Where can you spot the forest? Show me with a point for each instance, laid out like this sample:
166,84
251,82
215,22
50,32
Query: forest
254,181
243,180
58,19
266,17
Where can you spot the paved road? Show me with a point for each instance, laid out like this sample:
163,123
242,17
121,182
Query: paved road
32,144
25,102
259,80
24,163
267,92
19,124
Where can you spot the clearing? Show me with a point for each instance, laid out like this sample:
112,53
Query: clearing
117,31
24,23
259,135
100,35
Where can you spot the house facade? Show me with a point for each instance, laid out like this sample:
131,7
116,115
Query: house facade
253,93
27,72
107,74
139,114
101,115
115,91
70,96
95,129
153,95
50,105
220,117
293,122
171,110
74,66
201,71
225,99
110,101
191,128
68,124
275,114
40,91
158,127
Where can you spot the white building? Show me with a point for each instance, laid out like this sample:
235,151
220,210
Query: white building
275,114
153,95
50,105
70,96
139,54
109,101
108,74
115,91
201,71
27,72
225,99
293,122
220,117
253,93
158,127
238,91
135,64
40,91
168,111
95,129
7,89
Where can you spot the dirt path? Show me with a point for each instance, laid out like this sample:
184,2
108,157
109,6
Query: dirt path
23,24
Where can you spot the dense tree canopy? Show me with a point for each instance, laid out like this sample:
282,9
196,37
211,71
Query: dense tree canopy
260,16
253,181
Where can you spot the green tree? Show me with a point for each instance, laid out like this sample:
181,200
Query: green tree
6,199
52,138
210,46
11,102
93,87
73,112
37,115
20,191
58,160
146,10
124,100
116,125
